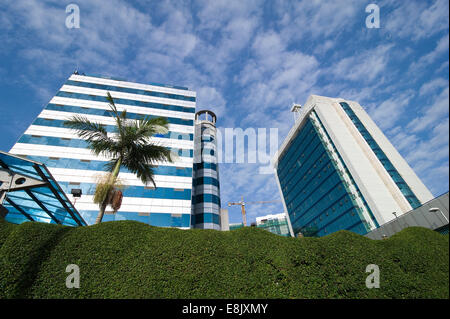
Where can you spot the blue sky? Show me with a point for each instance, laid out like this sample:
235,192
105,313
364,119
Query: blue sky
248,61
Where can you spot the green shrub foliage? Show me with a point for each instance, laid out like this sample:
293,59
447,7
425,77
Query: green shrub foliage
127,259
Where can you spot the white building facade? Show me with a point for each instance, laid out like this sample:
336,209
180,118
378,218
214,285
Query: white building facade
47,140
337,170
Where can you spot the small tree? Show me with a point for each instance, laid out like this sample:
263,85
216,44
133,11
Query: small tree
129,147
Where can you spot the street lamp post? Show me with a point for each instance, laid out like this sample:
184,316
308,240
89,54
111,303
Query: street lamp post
435,210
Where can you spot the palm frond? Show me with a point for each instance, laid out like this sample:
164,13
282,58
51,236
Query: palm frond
93,133
150,126
141,158
144,172
120,118
131,147
85,128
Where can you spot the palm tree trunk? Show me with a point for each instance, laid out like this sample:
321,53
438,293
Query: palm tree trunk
112,180
101,212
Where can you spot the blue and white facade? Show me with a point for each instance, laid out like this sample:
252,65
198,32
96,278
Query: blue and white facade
75,167
206,189
336,170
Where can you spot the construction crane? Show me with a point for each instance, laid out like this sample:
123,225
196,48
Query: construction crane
242,204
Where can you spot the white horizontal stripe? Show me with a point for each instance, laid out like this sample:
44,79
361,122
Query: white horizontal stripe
206,189
59,115
128,179
80,153
69,133
206,157
137,201
128,96
132,85
205,207
136,208
206,172
121,107
139,205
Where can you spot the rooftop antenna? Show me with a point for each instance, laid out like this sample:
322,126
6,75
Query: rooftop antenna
296,109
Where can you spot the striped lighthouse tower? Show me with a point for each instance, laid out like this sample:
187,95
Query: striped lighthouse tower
205,185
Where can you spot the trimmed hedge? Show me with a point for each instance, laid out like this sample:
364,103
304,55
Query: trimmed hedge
127,259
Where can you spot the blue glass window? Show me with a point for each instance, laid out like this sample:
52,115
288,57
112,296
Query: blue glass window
315,193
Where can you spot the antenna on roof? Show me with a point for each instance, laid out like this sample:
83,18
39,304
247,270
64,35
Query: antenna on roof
296,109
76,68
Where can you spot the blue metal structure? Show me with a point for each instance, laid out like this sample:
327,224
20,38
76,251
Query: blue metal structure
30,193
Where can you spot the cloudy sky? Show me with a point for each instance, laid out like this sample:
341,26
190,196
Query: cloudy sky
248,61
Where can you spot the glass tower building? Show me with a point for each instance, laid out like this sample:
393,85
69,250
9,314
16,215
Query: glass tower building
336,170
276,224
74,166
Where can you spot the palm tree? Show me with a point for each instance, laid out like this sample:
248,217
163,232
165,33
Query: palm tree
129,147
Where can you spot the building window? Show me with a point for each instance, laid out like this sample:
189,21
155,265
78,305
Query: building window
144,214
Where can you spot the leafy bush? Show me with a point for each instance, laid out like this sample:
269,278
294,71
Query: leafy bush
127,259
5,229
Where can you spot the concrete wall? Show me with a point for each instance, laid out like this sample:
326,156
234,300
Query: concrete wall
224,220
420,216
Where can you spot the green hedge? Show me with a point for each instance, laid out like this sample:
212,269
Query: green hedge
5,230
127,259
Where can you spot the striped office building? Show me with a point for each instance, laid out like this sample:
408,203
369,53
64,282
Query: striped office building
75,167
336,170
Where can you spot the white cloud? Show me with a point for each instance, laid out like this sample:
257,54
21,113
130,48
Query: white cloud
427,155
243,180
211,99
433,85
275,77
365,67
390,111
416,19
249,60
427,59
433,150
402,140
437,111
317,19
443,66
213,15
